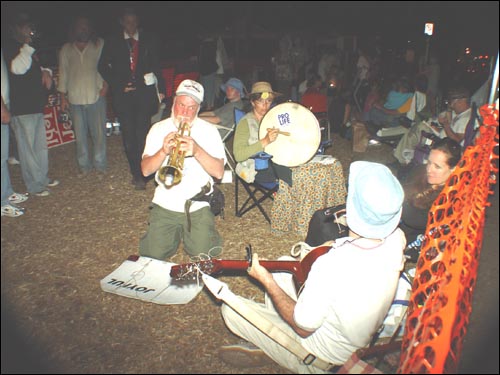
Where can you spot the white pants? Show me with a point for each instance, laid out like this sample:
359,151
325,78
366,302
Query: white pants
241,327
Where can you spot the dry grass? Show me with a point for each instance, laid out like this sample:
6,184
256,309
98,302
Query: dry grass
55,317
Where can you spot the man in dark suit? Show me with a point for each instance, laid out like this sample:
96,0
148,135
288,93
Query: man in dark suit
130,65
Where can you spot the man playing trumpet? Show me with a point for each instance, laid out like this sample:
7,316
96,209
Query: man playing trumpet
202,158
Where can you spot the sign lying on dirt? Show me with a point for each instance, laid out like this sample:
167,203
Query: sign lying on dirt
149,280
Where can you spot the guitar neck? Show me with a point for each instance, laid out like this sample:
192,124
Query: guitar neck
291,266
299,269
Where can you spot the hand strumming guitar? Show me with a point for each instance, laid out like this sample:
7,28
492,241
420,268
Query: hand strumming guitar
258,272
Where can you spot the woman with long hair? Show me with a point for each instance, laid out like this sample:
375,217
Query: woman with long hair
424,186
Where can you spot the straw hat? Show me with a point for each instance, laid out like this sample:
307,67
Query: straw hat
263,88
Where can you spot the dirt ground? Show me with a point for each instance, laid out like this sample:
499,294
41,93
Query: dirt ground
56,318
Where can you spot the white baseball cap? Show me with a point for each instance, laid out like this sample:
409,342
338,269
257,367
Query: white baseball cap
192,89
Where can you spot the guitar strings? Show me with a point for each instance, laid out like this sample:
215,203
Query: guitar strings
193,271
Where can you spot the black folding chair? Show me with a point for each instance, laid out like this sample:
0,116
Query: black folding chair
258,193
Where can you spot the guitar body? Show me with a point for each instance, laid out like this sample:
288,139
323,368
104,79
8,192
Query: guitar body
299,269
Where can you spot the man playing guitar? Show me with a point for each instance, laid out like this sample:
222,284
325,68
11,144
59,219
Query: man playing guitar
348,290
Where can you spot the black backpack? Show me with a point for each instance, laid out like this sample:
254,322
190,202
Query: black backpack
325,225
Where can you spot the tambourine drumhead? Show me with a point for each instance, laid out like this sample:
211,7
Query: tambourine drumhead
305,135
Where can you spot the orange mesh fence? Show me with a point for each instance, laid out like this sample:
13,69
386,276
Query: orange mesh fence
446,272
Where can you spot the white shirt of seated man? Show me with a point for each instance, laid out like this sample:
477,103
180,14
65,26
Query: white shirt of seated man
348,290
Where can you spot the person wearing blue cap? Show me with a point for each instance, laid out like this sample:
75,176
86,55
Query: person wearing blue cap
224,116
348,291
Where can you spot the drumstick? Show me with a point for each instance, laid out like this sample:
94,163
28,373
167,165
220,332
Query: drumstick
281,132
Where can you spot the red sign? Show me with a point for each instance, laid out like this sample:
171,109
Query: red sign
58,128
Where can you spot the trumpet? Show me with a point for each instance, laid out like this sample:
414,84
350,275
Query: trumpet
171,174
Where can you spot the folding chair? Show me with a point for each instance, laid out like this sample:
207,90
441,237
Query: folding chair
257,192
318,105
226,133
392,135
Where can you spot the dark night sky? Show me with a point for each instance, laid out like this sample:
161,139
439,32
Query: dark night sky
470,22
178,23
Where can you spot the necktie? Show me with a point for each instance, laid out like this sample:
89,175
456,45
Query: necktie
134,54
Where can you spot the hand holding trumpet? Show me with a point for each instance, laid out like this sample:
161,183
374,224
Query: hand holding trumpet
185,144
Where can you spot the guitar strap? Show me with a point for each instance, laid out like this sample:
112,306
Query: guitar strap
221,291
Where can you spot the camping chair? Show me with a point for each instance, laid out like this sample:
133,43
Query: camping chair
391,136
257,192
226,133
318,105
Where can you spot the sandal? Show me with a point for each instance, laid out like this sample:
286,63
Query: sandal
18,198
11,211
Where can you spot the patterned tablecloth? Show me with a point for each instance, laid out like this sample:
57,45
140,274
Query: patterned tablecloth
316,185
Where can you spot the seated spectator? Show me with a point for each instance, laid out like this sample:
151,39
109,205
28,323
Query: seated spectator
398,102
418,105
224,116
374,96
335,313
247,142
304,85
451,124
422,188
339,108
315,98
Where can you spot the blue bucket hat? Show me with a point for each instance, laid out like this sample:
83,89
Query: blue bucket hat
374,200
236,83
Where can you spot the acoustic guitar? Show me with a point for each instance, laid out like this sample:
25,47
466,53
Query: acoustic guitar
298,268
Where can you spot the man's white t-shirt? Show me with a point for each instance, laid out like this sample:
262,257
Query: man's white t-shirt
347,294
194,177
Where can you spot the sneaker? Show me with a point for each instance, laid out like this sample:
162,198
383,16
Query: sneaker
374,142
12,211
53,183
18,198
244,355
13,161
43,193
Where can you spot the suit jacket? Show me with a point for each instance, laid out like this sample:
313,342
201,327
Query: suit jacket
114,67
